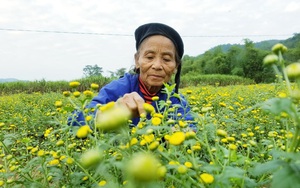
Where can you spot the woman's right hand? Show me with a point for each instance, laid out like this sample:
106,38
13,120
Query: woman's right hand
134,102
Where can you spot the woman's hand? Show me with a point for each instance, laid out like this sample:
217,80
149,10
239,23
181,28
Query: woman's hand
134,102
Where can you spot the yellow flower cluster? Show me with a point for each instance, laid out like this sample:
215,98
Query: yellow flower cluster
83,131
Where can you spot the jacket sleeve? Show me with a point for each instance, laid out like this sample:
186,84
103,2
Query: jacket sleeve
110,92
185,110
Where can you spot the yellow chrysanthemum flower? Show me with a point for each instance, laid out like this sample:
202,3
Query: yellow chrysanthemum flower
153,145
74,84
174,163
94,86
60,143
221,132
33,150
196,148
76,94
232,146
67,93
58,104
158,115
149,138
149,108
70,160
85,178
62,157
54,162
188,164
133,141
156,121
177,138
102,183
189,92
155,98
41,153
88,118
230,138
88,93
83,131
143,142
207,178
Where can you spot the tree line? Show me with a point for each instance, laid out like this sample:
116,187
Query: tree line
236,60
241,60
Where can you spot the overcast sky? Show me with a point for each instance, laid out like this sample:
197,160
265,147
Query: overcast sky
56,39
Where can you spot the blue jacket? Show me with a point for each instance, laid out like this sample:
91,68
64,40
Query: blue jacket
127,84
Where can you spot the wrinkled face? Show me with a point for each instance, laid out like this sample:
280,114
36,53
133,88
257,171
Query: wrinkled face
156,60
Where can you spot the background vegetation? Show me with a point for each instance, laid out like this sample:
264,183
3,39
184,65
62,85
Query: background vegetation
222,65
241,60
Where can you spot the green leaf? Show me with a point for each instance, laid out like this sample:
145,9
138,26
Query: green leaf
266,168
278,105
288,176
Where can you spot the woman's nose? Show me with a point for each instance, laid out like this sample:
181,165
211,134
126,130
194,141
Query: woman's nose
157,63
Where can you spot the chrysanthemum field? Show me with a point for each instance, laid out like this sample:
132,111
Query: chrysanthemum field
247,136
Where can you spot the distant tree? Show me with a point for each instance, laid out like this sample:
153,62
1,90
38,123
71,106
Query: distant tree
118,73
90,70
187,65
217,62
252,62
241,60
293,54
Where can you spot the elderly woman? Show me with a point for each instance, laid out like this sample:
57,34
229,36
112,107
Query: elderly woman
159,52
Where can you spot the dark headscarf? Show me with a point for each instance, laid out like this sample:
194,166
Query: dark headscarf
151,29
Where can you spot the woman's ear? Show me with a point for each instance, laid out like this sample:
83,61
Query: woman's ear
136,58
175,70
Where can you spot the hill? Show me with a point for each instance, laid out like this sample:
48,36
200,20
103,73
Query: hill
244,60
2,80
263,45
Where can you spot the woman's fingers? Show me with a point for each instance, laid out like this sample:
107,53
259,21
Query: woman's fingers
134,102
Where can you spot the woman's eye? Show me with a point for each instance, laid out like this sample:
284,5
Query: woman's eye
149,57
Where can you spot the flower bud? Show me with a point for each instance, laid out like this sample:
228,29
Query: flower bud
112,119
143,167
270,59
91,158
67,93
221,132
295,94
293,70
279,47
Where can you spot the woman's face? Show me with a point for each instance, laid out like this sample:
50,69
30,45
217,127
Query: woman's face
156,60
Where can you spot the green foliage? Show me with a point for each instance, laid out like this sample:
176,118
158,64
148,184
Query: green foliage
241,60
118,73
32,126
44,86
194,79
92,70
